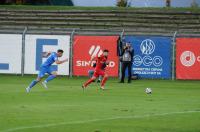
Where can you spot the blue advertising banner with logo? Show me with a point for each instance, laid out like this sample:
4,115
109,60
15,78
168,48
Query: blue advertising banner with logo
152,56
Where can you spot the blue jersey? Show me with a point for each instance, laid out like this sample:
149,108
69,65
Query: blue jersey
50,60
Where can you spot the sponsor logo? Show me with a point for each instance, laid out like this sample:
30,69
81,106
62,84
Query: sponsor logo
188,58
147,48
93,52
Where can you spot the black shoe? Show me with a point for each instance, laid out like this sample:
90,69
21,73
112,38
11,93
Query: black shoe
121,82
129,81
83,87
98,81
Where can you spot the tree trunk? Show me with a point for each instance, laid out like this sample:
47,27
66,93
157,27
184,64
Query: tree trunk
168,3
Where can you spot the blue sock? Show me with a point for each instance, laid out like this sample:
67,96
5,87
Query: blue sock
51,77
100,78
33,83
91,73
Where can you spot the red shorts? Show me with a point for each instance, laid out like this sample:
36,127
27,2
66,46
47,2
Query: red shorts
98,73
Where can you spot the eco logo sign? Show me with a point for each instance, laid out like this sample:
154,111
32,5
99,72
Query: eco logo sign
147,48
188,58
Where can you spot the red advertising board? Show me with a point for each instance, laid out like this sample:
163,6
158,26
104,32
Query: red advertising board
188,58
86,46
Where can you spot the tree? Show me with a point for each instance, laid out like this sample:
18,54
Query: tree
122,3
194,4
168,3
61,2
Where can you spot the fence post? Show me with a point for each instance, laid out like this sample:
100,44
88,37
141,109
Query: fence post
120,64
23,51
173,55
71,54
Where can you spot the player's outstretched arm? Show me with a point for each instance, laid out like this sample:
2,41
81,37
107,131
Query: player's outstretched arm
46,54
60,62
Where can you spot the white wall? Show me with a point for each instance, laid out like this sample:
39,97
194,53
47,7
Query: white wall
10,53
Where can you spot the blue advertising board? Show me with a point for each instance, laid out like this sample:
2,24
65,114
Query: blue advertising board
152,56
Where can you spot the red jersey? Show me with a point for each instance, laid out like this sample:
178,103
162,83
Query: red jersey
100,61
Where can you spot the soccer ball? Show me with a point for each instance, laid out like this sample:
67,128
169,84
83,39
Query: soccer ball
148,90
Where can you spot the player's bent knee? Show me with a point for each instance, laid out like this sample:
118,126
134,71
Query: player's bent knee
54,73
38,79
93,78
106,75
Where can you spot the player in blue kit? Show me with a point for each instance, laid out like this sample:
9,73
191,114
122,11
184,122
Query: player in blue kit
46,68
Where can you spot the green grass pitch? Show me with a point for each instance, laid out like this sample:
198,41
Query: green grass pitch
174,106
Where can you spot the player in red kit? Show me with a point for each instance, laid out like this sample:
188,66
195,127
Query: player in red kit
101,63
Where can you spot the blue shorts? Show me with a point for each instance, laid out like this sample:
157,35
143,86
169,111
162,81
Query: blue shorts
44,70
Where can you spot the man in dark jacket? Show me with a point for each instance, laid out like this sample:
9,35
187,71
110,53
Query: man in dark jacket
127,59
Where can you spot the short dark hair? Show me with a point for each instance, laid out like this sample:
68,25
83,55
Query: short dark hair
105,50
128,43
60,51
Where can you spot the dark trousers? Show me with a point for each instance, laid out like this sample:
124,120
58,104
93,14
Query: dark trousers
124,66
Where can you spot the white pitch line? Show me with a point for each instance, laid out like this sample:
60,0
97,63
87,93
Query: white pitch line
95,120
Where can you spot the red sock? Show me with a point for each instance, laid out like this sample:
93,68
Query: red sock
88,82
104,81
